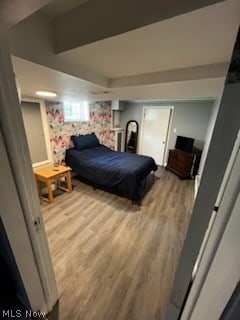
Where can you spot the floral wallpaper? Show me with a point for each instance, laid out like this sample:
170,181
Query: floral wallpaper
60,132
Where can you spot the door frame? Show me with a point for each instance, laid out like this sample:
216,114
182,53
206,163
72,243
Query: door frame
171,108
219,153
15,141
230,197
45,131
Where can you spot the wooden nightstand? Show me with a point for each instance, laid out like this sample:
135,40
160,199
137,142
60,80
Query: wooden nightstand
51,174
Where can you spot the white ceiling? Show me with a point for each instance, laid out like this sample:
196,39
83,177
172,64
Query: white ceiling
201,37
33,77
132,65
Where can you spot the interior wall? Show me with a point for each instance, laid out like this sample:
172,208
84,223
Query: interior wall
60,132
190,118
211,124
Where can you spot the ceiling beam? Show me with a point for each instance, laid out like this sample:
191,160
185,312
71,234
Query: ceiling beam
14,11
31,40
97,20
211,71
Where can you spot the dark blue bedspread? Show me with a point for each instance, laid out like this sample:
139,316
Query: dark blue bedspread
111,169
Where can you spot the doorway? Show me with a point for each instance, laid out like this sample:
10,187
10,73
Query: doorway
155,132
19,205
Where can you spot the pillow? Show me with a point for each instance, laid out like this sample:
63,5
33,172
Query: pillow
85,141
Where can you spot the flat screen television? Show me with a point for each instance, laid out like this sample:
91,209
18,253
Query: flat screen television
184,144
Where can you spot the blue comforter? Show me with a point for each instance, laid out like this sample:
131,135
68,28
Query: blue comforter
110,169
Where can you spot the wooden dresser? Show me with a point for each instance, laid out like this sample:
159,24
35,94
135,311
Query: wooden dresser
184,164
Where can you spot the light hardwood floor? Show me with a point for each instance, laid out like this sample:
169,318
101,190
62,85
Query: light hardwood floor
114,260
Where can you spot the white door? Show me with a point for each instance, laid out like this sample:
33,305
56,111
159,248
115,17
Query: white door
155,132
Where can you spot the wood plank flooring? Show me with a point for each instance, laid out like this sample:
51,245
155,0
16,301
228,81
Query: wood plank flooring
114,260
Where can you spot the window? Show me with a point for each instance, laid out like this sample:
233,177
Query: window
76,112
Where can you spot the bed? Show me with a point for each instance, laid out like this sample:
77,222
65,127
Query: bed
119,172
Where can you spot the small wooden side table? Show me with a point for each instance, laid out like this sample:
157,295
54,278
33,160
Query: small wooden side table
51,174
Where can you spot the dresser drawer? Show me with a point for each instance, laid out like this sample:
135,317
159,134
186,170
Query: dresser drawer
180,163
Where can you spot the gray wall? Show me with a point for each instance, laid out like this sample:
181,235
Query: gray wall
209,134
190,118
